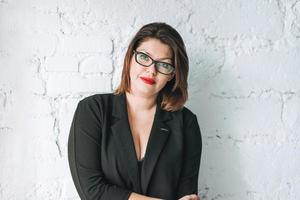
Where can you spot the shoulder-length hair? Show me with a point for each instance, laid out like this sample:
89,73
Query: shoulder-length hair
174,94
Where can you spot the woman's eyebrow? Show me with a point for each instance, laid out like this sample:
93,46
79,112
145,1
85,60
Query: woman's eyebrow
152,55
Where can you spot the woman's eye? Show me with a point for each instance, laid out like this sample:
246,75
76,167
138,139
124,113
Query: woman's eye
144,57
165,65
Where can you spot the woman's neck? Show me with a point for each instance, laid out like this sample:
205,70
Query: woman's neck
140,103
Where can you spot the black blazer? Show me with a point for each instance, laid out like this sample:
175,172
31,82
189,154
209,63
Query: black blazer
102,156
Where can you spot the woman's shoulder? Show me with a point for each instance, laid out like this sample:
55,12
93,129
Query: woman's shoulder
96,105
185,112
97,99
185,115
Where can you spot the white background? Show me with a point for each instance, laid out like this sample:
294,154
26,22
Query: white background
244,86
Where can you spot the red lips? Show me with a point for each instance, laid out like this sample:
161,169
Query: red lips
147,80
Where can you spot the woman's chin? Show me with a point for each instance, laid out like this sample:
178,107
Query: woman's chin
143,91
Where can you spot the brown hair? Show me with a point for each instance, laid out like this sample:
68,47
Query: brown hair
174,94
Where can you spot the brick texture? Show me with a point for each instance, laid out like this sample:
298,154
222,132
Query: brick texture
244,86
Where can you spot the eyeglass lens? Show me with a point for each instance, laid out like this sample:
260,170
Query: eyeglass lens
145,60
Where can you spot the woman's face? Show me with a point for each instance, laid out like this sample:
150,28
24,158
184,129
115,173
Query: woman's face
146,81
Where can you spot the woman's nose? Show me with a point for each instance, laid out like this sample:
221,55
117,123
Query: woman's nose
152,69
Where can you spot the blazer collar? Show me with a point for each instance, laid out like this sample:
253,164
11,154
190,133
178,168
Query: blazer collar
124,140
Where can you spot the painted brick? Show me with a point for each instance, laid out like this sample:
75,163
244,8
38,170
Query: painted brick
244,87
62,84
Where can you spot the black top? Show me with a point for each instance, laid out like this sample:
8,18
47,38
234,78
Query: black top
140,165
103,160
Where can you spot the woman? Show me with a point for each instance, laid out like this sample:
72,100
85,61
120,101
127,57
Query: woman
140,142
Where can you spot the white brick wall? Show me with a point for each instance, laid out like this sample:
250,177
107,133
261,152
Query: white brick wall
244,87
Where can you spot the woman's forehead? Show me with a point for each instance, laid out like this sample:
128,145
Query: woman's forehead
156,49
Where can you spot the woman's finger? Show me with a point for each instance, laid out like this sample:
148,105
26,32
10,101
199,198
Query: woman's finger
190,197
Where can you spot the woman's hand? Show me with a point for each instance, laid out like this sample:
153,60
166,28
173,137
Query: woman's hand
190,197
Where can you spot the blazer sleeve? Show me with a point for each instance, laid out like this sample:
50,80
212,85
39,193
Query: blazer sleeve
84,156
188,182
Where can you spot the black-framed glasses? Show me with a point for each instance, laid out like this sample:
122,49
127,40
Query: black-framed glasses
146,61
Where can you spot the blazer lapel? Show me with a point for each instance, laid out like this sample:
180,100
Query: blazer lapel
125,145
123,138
157,140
